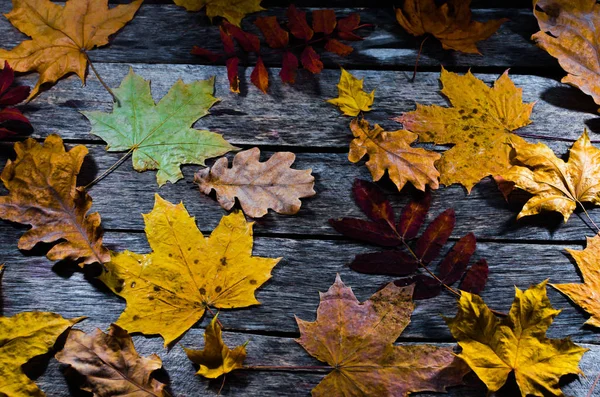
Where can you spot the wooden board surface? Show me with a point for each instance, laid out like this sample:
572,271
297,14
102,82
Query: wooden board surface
296,118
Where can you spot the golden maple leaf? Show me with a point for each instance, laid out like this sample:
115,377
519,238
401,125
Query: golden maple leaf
450,23
168,290
568,32
61,35
232,10
478,125
23,337
352,99
495,348
554,184
357,340
391,151
586,294
216,358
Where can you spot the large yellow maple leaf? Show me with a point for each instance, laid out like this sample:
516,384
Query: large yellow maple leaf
168,290
477,125
61,35
556,185
232,10
495,348
586,294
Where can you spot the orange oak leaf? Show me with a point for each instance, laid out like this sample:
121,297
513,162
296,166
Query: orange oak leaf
391,151
450,23
111,365
61,35
42,193
357,340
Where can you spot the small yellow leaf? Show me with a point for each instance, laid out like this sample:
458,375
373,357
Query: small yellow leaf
216,358
232,10
352,99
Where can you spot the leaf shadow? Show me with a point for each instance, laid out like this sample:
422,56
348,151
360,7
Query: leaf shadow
570,98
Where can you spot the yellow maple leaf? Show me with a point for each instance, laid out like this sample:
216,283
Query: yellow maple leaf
61,35
168,290
23,337
586,294
216,358
494,348
478,125
352,99
232,10
554,184
391,151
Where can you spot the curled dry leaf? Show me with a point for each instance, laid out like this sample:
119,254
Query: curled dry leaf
476,124
216,358
61,35
556,185
365,360
568,32
168,290
42,193
517,344
450,23
352,99
160,135
22,337
391,151
258,186
232,10
111,365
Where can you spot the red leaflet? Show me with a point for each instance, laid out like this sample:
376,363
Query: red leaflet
370,232
275,36
323,21
370,199
311,60
476,277
337,47
347,26
425,286
297,24
227,41
211,56
248,41
289,68
413,216
259,76
232,74
391,263
435,236
455,263
11,119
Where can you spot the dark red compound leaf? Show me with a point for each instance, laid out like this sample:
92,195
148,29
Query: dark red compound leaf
275,36
323,21
248,41
454,265
337,47
311,61
260,76
227,40
289,68
476,277
11,119
391,263
346,27
371,200
412,217
425,286
297,24
208,54
232,74
370,232
435,236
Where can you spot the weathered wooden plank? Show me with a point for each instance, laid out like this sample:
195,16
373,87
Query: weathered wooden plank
298,115
166,34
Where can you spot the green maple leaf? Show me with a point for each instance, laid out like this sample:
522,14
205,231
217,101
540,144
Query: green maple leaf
160,135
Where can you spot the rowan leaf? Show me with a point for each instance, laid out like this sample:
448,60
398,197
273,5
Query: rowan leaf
185,273
216,358
323,21
435,236
454,264
232,10
477,126
274,34
160,135
259,76
289,68
425,287
556,185
297,23
475,278
413,215
11,119
258,186
337,47
372,202
371,232
60,35
352,99
449,22
391,263
22,337
365,360
232,74
585,294
568,33
495,348
311,61
391,151
111,365
346,27
41,182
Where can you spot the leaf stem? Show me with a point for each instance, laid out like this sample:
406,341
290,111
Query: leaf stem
417,60
593,385
109,170
222,385
214,315
588,216
549,138
106,87
287,367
